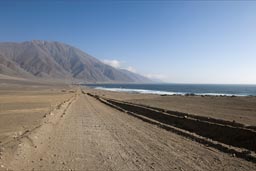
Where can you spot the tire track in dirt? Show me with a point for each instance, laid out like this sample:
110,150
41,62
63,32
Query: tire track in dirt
31,140
94,136
158,143
170,122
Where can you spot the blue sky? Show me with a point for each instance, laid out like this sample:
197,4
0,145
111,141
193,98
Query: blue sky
175,41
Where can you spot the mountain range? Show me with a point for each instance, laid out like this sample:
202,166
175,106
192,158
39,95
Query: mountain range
59,61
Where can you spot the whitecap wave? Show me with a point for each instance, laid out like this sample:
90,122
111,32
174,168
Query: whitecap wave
144,91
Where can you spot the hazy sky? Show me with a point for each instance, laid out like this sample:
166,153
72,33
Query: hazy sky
182,42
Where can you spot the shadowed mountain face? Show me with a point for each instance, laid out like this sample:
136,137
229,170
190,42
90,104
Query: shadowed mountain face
54,60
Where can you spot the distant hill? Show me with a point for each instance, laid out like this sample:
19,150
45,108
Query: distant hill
59,61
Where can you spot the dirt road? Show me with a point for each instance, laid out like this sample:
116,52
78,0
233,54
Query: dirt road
85,134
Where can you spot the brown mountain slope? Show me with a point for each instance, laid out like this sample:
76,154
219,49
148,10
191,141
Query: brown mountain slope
54,60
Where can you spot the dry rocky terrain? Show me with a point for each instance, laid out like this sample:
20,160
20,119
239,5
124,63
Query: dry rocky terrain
49,127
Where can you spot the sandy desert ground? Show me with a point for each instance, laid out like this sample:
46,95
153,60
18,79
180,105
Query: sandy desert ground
239,109
59,127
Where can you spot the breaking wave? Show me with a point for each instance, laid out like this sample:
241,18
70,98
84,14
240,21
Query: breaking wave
144,91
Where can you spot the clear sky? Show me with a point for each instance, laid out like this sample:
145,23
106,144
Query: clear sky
178,42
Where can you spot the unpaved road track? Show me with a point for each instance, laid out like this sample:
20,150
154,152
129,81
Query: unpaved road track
92,136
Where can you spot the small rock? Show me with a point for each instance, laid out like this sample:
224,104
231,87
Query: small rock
41,159
32,161
63,163
35,146
233,155
2,166
53,162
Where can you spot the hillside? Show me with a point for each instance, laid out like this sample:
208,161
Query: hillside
59,61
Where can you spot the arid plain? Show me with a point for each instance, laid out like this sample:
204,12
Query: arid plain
51,126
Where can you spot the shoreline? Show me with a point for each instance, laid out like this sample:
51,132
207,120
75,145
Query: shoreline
241,109
63,123
169,93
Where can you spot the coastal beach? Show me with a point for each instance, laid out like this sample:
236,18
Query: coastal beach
238,109
66,128
127,85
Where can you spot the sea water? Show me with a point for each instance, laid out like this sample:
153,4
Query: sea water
181,89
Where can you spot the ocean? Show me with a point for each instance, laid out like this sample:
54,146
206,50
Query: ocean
181,89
